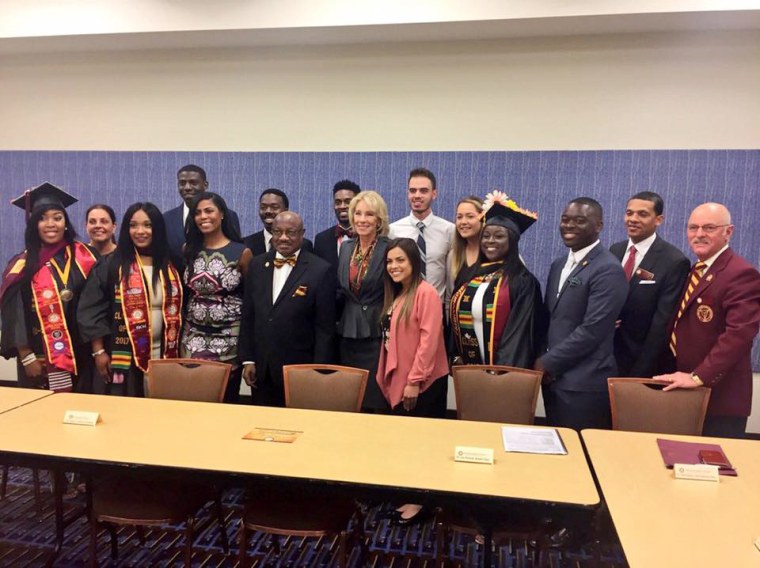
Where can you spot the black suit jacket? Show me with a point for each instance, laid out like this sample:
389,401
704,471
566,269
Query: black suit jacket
326,246
256,243
299,326
642,338
175,233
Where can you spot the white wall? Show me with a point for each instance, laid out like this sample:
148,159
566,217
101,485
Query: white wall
681,90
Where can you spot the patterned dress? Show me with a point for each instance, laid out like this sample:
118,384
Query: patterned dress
214,307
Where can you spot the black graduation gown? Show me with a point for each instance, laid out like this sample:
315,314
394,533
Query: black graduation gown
95,317
20,326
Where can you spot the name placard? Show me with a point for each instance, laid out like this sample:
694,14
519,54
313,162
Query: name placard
81,417
696,472
472,454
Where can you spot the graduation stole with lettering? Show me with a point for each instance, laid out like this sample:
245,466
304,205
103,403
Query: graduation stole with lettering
497,307
132,339
49,295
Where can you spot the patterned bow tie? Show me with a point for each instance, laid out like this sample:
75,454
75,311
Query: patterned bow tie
342,232
280,262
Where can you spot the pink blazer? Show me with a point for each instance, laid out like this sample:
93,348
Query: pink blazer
415,353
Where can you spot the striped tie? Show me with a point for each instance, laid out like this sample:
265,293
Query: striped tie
422,245
694,278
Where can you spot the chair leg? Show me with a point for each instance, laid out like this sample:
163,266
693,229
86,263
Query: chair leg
342,549
222,522
93,541
189,526
4,483
140,531
114,541
242,546
37,493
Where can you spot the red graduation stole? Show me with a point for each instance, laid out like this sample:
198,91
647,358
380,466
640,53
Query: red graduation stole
48,306
136,309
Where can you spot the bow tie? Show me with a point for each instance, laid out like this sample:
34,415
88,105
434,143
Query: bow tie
342,232
280,262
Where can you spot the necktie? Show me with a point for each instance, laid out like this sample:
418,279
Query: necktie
694,278
269,244
280,262
569,266
422,245
630,262
343,232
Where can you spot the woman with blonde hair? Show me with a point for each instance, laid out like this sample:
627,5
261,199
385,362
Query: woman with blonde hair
361,265
465,249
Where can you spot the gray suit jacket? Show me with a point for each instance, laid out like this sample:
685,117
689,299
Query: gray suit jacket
361,312
579,353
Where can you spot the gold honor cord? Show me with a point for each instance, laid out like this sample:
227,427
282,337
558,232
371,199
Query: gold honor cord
66,294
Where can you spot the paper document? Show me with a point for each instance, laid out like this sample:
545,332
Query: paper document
532,440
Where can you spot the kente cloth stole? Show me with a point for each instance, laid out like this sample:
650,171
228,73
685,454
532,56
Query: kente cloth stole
497,304
48,305
132,338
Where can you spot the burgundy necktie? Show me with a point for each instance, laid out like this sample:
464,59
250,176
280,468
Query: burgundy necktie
630,262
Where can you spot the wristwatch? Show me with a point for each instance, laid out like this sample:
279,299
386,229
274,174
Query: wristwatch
697,380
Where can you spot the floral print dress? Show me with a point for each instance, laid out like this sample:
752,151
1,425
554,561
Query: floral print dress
215,302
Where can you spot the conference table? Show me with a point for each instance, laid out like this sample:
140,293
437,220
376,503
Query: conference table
385,455
664,521
13,397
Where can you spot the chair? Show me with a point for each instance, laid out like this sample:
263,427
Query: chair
492,393
302,511
640,405
157,499
496,393
324,387
4,474
187,379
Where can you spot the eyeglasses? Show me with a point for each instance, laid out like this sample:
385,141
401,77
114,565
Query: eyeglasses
709,229
290,233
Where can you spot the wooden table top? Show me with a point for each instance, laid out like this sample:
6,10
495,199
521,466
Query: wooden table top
663,521
385,451
13,397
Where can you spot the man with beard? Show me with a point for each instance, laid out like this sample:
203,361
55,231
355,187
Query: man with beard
191,180
272,202
584,294
327,243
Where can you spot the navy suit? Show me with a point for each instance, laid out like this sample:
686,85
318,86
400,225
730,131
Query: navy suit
579,356
654,291
175,232
298,327
256,243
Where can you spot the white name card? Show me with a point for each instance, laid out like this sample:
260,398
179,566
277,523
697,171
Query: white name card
81,418
473,455
697,472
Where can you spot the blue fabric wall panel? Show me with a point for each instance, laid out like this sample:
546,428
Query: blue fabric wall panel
540,181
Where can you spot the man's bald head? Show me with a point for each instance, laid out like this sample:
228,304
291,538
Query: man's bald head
287,233
709,229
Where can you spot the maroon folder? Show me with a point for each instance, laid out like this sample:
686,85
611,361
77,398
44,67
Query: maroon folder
688,452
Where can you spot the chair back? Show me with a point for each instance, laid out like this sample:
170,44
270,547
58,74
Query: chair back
324,387
640,405
496,393
187,379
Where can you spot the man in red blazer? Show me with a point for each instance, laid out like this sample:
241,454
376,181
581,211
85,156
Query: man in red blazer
717,320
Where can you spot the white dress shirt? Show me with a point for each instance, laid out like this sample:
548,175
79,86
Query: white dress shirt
574,258
280,276
267,240
439,234
642,248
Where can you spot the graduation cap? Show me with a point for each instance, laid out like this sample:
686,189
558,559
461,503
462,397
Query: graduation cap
504,212
46,195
